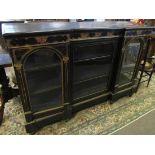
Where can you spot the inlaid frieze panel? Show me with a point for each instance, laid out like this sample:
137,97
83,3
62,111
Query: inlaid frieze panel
138,32
63,38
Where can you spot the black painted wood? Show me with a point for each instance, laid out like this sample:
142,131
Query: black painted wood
44,27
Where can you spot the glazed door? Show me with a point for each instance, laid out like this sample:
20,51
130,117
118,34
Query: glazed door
131,55
91,67
43,74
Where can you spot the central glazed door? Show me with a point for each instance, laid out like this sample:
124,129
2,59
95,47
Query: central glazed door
91,67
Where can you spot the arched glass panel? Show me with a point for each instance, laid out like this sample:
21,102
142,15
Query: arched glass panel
129,62
43,73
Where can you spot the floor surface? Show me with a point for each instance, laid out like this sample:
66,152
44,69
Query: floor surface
145,125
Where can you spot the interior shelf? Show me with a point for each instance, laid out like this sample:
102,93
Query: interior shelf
128,68
44,81
44,88
47,100
106,58
37,67
92,51
124,78
89,70
91,79
96,85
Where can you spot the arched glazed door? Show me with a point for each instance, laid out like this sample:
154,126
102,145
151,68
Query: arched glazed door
43,73
131,54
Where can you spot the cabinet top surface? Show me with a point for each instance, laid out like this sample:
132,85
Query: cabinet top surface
10,29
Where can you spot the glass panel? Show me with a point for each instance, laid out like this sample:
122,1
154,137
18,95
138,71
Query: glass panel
92,51
43,76
91,68
89,87
40,59
129,62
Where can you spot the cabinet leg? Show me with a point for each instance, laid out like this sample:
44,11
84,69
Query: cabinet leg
111,101
131,92
68,114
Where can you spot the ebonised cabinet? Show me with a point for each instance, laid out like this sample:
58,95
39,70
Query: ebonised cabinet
62,68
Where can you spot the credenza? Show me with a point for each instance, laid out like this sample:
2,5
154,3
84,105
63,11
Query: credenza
64,67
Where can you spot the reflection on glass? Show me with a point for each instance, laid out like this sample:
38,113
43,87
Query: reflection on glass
43,76
129,62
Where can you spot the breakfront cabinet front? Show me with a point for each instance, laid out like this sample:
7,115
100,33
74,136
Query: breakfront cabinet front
62,68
